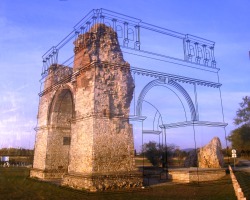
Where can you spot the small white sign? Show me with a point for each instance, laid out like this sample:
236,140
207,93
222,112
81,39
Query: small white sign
234,155
233,151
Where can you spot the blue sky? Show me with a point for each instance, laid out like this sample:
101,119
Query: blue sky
29,28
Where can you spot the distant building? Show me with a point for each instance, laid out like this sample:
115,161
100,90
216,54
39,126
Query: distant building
5,158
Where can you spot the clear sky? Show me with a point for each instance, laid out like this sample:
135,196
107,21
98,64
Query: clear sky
29,28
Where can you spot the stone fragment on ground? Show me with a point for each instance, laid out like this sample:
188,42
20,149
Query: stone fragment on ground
209,156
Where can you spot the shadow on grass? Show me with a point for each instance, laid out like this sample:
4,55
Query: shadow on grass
244,181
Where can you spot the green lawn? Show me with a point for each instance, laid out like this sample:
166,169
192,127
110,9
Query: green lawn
15,184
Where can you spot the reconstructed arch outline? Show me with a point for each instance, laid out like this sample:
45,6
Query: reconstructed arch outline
174,85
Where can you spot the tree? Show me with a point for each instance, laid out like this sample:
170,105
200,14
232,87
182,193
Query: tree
179,154
157,153
243,113
240,137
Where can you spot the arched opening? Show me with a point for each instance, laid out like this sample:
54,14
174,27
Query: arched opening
61,110
183,96
160,106
164,104
59,135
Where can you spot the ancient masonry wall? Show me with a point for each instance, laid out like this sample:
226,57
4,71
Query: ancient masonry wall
55,108
82,126
192,175
113,148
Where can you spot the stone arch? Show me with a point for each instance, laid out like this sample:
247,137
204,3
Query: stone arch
62,107
61,111
174,87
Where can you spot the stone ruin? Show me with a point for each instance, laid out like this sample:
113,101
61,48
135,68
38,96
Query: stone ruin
209,156
83,135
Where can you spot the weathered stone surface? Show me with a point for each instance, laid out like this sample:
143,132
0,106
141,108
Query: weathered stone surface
209,156
89,108
103,182
99,44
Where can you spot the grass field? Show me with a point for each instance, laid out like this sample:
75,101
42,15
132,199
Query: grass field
15,184
244,181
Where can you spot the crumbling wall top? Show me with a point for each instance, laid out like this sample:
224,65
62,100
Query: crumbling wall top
100,44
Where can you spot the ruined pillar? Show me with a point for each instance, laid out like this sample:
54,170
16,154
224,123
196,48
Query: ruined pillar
102,146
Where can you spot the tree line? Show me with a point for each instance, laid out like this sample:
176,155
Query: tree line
16,152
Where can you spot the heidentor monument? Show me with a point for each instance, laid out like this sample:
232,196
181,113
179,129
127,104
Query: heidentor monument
84,136
88,103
